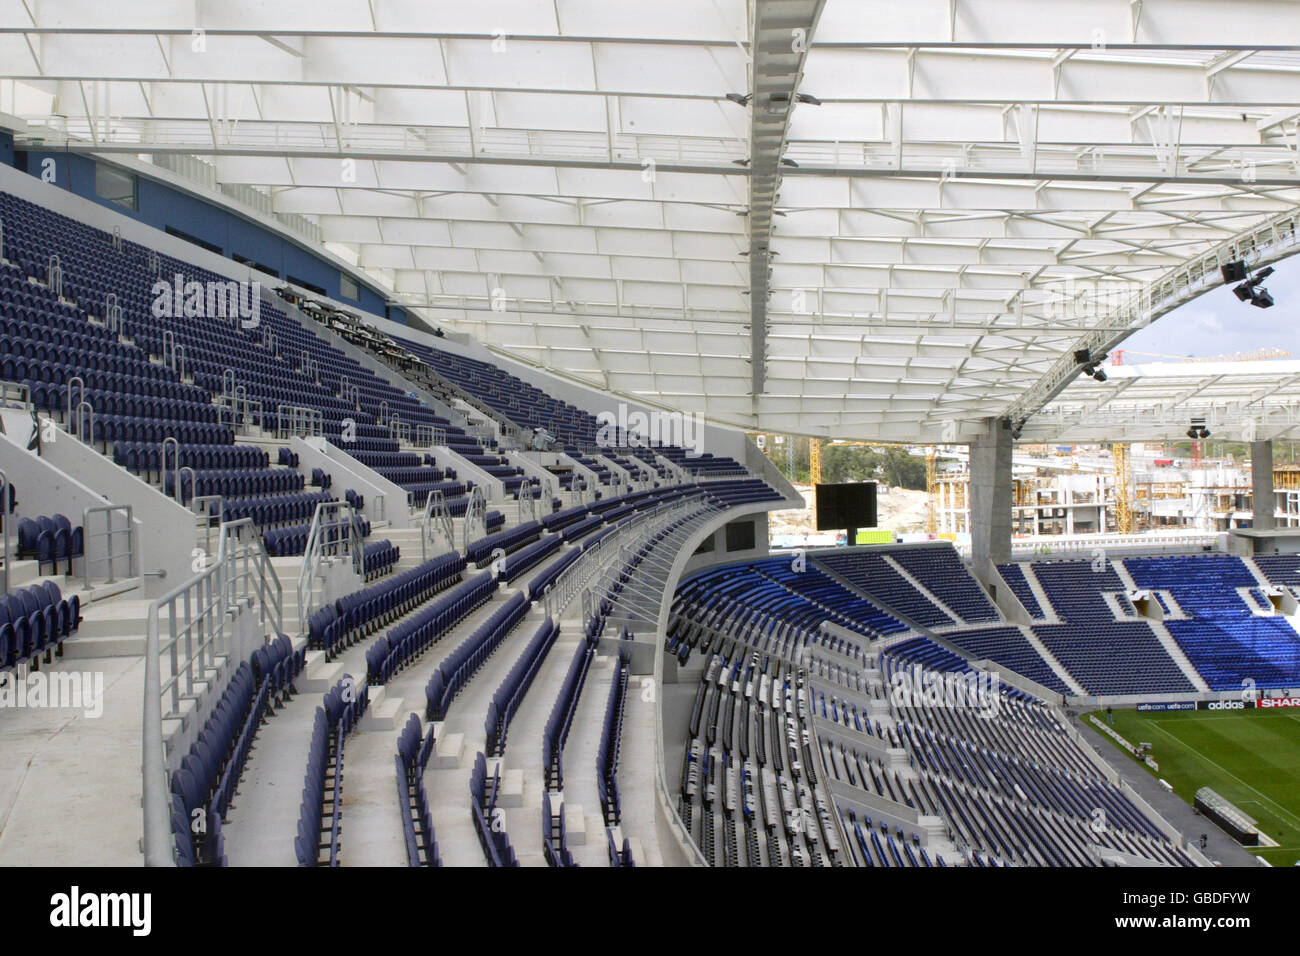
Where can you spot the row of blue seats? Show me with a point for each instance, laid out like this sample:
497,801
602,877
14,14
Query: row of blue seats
204,783
379,556
146,458
234,483
610,739
505,702
115,428
463,663
338,625
281,509
520,561
411,637
481,550
484,792
277,664
412,798
543,580
50,538
320,814
286,542
555,839
35,620
560,721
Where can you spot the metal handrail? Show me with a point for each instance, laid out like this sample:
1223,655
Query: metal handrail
476,515
199,622
80,382
298,421
194,483
334,534
88,417
176,465
54,275
200,506
436,520
430,436
108,534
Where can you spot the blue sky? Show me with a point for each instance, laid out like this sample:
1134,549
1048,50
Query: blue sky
1218,323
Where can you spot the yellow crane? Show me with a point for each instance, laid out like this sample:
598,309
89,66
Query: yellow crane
931,490
1123,507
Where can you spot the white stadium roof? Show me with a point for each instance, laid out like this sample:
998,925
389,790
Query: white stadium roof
964,194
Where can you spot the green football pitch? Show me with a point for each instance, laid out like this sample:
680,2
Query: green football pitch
1252,758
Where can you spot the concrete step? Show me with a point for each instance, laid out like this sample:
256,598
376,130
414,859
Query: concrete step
319,675
511,793
449,751
575,824
383,712
81,648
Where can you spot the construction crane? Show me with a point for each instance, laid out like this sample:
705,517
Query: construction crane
1123,507
931,490
815,455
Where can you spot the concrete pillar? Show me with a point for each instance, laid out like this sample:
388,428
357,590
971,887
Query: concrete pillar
1261,484
990,495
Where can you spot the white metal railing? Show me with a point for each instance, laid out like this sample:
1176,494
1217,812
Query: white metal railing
201,505
526,499
589,575
238,410
476,515
200,636
430,436
54,276
435,522
297,421
112,537
334,535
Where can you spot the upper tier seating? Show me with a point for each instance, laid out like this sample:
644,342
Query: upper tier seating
1105,655
1224,639
944,573
870,572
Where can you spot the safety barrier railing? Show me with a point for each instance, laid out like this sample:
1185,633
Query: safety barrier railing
334,535
83,423
199,638
119,543
590,574
54,276
429,436
201,505
476,515
297,421
436,522
239,411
